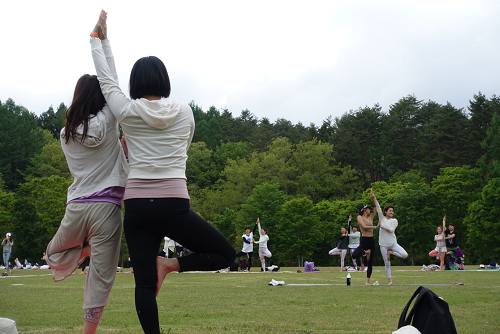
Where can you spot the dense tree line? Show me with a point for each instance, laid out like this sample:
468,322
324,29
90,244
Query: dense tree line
424,158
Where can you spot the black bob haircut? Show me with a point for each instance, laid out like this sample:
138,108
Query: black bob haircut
149,76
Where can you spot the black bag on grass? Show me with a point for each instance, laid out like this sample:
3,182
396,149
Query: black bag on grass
430,314
233,267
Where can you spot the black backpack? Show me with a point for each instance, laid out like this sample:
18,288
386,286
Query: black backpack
233,267
430,314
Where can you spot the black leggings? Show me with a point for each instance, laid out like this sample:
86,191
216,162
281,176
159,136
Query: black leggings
147,221
241,253
366,243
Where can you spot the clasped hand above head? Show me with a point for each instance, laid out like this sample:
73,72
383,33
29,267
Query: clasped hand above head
100,27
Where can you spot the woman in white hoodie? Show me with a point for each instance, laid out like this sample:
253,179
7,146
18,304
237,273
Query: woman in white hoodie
92,224
158,131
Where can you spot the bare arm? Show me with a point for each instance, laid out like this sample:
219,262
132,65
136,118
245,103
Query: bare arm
362,224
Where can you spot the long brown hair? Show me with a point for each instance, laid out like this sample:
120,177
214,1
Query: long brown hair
87,100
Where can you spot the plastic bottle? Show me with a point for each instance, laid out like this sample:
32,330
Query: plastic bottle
348,278
363,267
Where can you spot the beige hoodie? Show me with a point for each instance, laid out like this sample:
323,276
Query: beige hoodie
158,132
98,162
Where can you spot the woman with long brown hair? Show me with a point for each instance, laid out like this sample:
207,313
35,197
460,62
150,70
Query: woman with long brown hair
92,224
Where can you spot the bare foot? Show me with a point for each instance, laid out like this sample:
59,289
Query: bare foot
390,281
367,281
389,253
367,253
85,252
163,267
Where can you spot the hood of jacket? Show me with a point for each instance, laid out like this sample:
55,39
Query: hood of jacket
96,132
157,114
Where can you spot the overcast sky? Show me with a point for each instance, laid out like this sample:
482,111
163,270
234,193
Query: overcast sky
302,61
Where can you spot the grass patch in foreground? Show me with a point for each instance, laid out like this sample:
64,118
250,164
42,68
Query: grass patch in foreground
244,303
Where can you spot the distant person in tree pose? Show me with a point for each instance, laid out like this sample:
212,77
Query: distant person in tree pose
456,255
341,248
387,236
354,236
247,245
263,250
440,250
7,250
159,132
92,224
367,244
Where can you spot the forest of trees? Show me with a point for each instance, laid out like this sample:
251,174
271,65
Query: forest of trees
425,158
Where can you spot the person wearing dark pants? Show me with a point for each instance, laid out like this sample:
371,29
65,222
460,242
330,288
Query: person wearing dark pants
147,220
367,244
247,246
158,131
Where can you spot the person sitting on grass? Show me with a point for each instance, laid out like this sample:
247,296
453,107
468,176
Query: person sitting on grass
263,250
341,248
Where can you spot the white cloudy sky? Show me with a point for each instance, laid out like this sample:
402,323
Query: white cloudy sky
298,60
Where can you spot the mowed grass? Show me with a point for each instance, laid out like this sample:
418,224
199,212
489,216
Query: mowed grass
244,303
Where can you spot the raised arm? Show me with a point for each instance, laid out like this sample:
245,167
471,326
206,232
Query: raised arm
444,223
109,86
349,226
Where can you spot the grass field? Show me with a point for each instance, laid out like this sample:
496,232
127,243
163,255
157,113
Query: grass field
244,303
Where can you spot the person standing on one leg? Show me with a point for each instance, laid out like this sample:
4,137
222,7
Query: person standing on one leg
92,223
367,244
247,245
263,250
440,250
341,248
387,236
354,236
456,254
159,132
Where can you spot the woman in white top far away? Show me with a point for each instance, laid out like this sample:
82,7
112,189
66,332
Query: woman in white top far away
387,237
440,251
263,250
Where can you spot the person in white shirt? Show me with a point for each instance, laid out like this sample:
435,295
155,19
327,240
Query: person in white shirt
387,236
440,251
354,236
159,131
247,250
169,247
263,250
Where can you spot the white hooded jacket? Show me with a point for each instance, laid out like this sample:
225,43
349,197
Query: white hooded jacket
98,162
158,133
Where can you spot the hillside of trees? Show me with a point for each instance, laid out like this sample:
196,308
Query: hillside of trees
425,158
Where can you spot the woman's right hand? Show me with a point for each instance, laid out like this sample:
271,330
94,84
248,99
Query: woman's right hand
123,141
102,25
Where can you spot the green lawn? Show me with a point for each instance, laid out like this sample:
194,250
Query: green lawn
244,303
